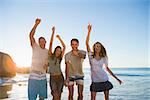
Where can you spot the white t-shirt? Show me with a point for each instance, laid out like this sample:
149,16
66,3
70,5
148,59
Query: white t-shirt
39,58
97,72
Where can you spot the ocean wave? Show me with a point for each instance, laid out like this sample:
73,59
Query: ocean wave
139,75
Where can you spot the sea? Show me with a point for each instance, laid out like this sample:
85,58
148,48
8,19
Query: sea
136,86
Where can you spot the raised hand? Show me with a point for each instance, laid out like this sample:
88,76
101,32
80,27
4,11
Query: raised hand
58,36
38,21
66,82
89,27
51,41
32,40
53,29
63,44
120,82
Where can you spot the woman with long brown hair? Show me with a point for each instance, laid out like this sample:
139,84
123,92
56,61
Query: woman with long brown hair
56,76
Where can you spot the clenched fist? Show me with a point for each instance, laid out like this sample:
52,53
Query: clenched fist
38,21
53,28
57,36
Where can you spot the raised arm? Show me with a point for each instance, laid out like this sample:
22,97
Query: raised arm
88,38
51,41
113,75
63,44
32,39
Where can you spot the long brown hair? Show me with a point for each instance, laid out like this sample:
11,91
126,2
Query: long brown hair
54,56
102,51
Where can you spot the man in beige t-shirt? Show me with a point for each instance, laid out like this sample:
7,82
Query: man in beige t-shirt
37,83
74,72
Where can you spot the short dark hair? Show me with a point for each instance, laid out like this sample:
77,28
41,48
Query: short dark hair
74,39
41,38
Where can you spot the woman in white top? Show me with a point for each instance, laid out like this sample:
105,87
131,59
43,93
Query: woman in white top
98,59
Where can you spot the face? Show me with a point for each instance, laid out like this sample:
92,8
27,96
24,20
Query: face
97,47
58,52
42,43
74,45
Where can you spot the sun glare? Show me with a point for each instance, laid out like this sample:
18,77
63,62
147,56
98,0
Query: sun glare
22,63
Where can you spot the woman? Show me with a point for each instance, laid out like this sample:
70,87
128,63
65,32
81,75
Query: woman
56,76
98,59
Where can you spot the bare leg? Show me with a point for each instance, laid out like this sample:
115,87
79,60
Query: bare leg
56,96
71,91
106,94
80,92
59,96
93,95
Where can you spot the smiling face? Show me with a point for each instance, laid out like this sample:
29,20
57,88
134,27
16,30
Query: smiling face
74,44
58,52
42,42
97,47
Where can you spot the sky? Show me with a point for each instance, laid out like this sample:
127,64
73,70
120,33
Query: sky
122,26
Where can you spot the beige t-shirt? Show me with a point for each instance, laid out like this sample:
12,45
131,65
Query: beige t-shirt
75,63
39,58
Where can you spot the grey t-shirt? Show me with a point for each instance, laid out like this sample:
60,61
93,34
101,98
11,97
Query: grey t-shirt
75,63
54,65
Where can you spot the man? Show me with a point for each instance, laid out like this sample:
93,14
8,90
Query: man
37,84
74,73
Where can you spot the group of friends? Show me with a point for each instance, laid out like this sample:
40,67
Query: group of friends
48,61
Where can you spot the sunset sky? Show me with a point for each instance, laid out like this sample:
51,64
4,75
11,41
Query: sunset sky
120,25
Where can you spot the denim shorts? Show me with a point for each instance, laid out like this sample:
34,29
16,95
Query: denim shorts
37,87
78,79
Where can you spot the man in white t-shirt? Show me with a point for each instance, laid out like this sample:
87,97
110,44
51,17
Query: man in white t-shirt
37,84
